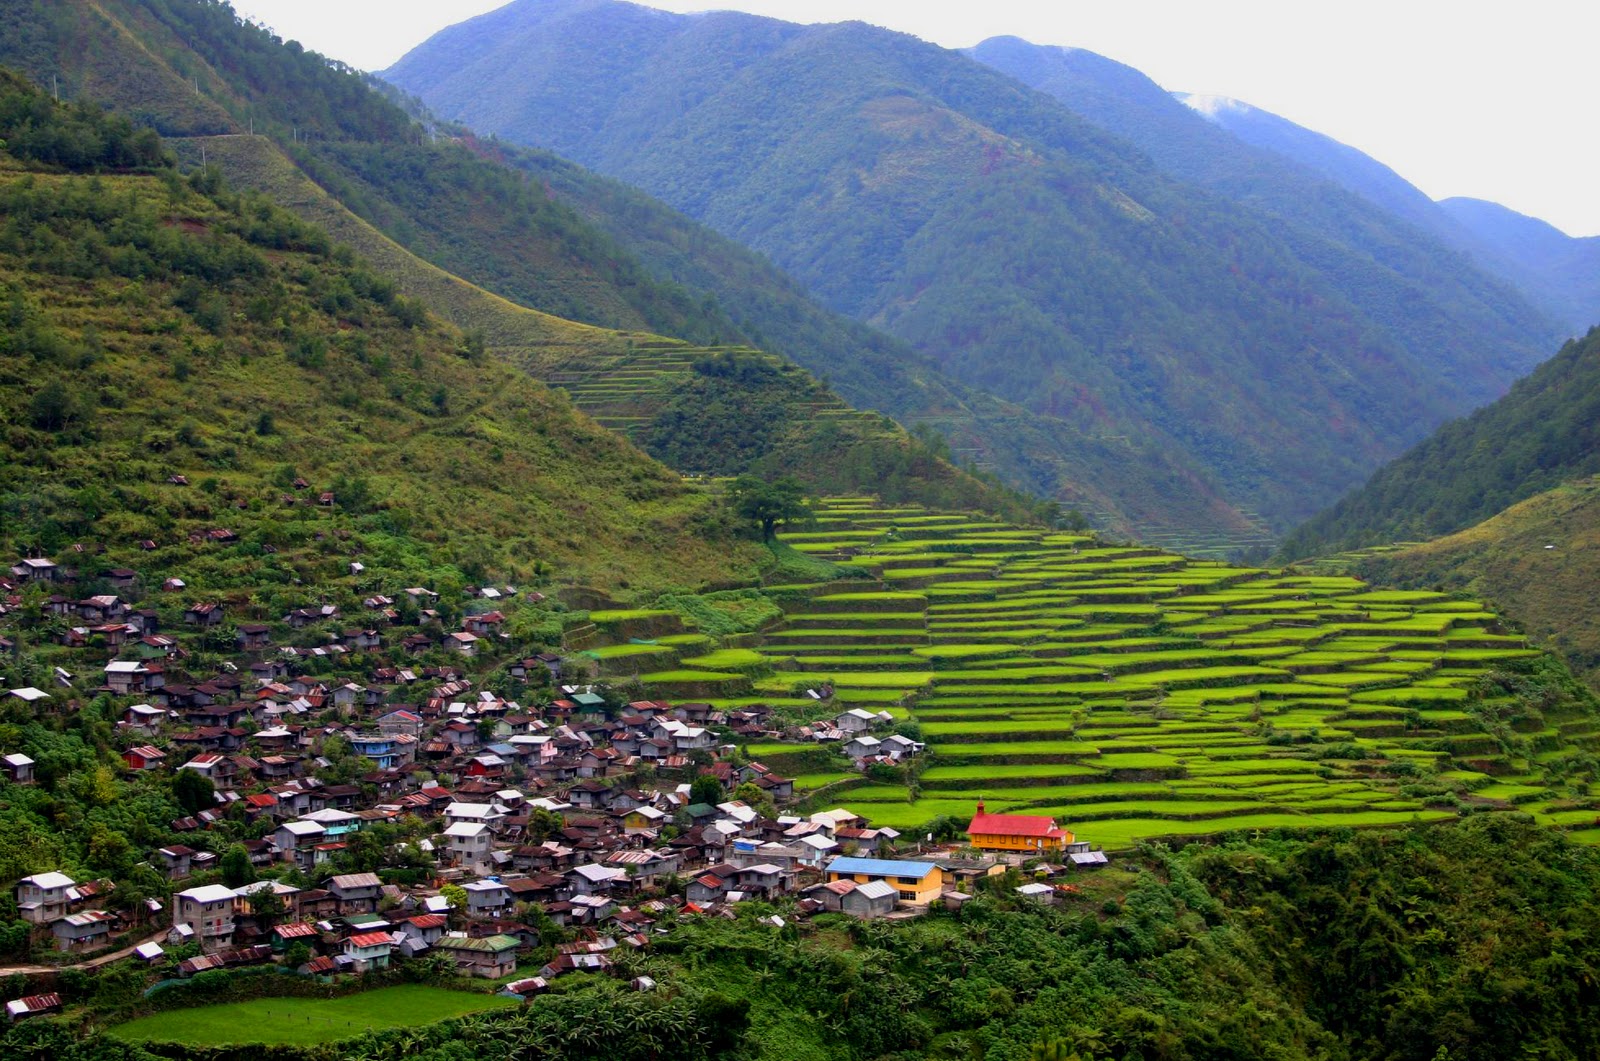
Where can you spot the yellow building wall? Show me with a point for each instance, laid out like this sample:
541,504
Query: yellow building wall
992,842
920,892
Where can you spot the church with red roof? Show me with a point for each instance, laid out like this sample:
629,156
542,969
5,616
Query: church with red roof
1016,832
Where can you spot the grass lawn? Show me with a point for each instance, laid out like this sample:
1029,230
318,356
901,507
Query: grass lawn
303,1021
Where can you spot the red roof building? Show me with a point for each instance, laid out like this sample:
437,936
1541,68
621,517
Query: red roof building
1016,832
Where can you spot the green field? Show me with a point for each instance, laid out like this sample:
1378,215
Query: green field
1134,693
306,1021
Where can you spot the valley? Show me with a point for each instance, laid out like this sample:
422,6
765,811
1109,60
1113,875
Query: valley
888,598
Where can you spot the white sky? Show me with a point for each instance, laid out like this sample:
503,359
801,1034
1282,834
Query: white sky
1461,97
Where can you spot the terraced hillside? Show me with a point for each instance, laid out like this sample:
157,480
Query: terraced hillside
720,410
1137,693
625,389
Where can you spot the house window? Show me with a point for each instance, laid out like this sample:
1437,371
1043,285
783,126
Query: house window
909,880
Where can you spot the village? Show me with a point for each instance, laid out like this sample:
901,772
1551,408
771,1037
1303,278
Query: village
337,827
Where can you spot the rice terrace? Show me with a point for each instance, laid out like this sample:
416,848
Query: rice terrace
1134,693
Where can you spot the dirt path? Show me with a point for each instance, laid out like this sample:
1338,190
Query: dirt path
92,963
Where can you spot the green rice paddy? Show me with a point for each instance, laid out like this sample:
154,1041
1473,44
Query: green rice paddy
1133,693
306,1021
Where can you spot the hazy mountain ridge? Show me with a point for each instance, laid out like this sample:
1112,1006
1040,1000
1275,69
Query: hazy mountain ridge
1569,266
1376,239
921,192
1558,273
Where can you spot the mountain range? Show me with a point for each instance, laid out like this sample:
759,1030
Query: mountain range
1232,334
1325,192
1557,272
1023,247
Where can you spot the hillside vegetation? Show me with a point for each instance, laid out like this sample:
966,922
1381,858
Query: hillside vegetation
159,327
1538,561
1545,432
1025,251
346,158
1377,240
1124,484
194,68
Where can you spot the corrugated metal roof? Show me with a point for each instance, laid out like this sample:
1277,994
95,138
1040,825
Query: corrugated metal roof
880,867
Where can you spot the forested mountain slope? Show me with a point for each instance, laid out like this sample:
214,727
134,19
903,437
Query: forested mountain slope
1378,240
193,68
1558,278
1024,250
1126,484
416,205
1570,266
1545,432
157,327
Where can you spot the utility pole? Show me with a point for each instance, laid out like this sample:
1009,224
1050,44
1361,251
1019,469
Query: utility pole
55,88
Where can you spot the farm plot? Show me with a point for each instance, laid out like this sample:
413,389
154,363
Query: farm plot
306,1021
1135,693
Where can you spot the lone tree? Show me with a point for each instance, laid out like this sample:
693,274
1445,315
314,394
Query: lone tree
236,868
193,791
705,789
770,503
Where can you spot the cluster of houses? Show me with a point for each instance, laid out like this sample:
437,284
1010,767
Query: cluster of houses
578,807
607,877
852,732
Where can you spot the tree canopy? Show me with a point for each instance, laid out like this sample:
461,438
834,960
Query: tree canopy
768,503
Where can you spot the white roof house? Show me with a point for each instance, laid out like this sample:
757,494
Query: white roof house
876,889
598,874
48,881
739,811
330,816
208,893
487,813
303,828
